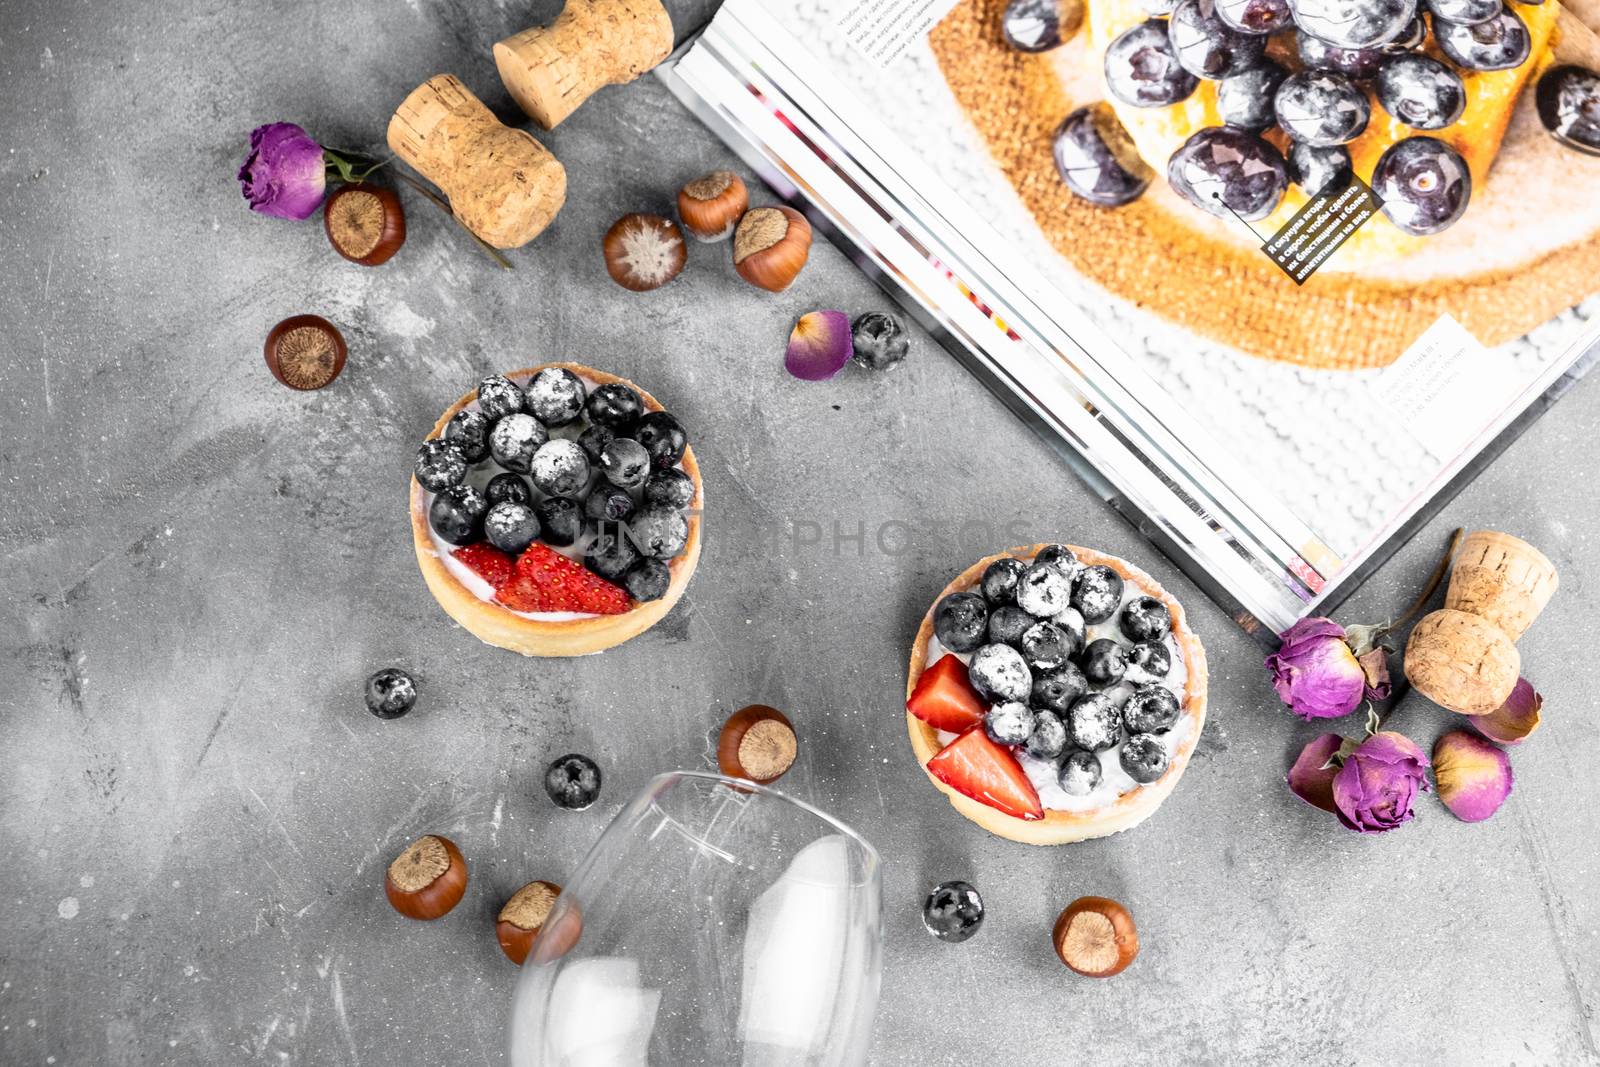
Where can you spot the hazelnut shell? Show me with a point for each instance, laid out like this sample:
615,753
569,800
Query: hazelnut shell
712,206
364,223
522,917
1095,937
427,879
771,246
644,252
305,352
757,743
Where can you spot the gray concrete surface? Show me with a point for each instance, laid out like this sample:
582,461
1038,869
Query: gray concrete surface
200,568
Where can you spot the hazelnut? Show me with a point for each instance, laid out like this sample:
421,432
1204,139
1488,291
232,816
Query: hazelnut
305,352
711,207
364,223
770,247
757,743
644,252
523,916
427,879
1096,937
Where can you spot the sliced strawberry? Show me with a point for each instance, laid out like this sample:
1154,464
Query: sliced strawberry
545,580
486,561
944,698
975,766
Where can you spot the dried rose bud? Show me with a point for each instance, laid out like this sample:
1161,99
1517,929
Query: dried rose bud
1315,672
285,173
1374,789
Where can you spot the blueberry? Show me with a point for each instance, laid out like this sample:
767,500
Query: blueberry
1144,758
440,465
1255,16
1071,621
1093,722
1048,739
1080,773
1498,44
1149,660
1319,171
560,520
1007,623
880,340
560,468
1040,25
1152,709
390,693
659,532
626,463
1208,47
508,486
615,407
961,621
999,582
1569,107
999,674
1008,723
593,441
1096,593
611,552
1466,12
1318,54
1319,107
1218,169
498,396
573,782
555,396
1421,92
1144,618
647,580
662,437
1142,69
953,912
1412,38
1061,558
456,514
1354,23
1056,690
1044,591
511,527
1244,100
671,487
1104,662
1047,646
515,439
1097,159
607,502
1424,185
468,430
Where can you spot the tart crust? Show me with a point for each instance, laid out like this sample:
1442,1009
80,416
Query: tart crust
496,624
1062,827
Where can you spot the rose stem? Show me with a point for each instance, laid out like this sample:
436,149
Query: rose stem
1433,584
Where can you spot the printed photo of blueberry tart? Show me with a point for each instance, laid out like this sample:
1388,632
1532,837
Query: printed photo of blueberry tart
1055,694
1157,142
555,510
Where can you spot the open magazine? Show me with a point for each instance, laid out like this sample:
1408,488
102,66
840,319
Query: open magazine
1277,361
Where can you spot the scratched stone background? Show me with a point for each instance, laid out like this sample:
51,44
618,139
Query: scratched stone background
200,568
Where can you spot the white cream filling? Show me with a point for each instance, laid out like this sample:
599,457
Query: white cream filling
1114,781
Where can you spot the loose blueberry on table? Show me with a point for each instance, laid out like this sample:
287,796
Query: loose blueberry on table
390,693
953,911
572,782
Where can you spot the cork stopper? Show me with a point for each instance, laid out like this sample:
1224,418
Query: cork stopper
420,865
355,221
1462,662
1501,579
767,749
530,906
758,231
550,70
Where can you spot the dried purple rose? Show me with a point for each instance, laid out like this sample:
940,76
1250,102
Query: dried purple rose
1315,672
1373,790
286,172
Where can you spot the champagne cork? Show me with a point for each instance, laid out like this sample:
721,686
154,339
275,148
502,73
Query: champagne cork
1502,579
502,184
1462,662
550,70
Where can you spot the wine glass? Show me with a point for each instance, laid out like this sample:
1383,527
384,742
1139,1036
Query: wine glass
714,922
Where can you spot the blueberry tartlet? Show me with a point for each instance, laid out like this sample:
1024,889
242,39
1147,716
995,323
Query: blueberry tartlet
556,510
1055,694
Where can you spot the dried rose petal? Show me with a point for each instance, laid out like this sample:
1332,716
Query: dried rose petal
1513,721
1310,779
819,346
1474,776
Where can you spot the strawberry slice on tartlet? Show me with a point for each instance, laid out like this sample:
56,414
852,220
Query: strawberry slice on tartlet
976,767
486,561
545,580
944,697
